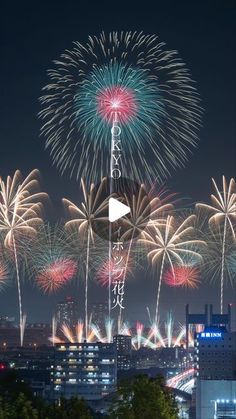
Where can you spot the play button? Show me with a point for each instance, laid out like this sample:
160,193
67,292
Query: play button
116,210
122,205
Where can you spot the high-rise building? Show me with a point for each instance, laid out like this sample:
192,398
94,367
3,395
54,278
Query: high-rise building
84,369
123,347
215,366
99,312
208,318
215,354
67,311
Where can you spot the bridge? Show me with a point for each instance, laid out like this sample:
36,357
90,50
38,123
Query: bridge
184,381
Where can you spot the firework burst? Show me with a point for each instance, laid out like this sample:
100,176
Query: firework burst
186,276
93,209
51,263
134,78
144,211
169,244
56,273
107,268
222,215
20,210
212,256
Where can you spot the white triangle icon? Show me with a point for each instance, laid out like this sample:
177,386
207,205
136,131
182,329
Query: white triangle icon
116,210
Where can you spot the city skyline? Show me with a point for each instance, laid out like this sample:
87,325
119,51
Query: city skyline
202,56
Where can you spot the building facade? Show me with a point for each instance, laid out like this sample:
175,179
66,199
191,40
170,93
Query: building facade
84,369
216,399
215,366
67,312
123,347
215,354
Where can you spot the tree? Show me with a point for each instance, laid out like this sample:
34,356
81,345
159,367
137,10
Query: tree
77,409
18,402
20,408
144,398
74,408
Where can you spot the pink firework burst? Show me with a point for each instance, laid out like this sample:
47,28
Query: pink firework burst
117,273
116,102
182,276
56,274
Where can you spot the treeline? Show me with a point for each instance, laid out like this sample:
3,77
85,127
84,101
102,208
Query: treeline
139,398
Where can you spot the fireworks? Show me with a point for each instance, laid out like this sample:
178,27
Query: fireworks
3,274
182,276
169,335
119,100
169,244
20,208
72,335
92,209
51,264
223,208
212,256
94,333
163,336
56,274
107,268
54,330
134,77
144,211
222,214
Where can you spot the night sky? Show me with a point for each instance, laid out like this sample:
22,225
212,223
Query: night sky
33,34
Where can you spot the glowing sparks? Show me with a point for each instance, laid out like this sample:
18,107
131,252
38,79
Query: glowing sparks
116,101
20,206
134,76
56,274
4,274
222,215
158,337
20,210
182,276
223,208
73,334
145,210
52,266
92,209
169,244
109,268
212,256
166,336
